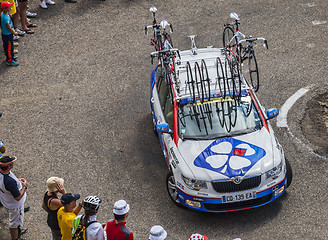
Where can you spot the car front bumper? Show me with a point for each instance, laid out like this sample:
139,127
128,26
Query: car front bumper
205,204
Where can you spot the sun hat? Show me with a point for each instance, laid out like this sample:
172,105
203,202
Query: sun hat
121,207
157,232
67,198
197,236
5,5
6,160
52,183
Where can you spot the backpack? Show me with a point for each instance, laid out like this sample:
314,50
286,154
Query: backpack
81,229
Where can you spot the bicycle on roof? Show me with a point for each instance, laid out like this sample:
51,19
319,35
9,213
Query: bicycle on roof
233,44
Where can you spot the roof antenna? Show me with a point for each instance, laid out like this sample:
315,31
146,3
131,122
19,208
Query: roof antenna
193,45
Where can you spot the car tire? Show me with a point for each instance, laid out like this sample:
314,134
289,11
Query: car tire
172,189
289,173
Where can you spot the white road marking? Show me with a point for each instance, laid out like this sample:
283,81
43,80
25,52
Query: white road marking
310,45
309,4
317,22
282,117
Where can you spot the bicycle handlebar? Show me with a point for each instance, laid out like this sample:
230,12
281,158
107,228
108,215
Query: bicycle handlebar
255,39
172,50
157,26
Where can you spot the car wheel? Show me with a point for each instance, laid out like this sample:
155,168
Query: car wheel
172,189
289,173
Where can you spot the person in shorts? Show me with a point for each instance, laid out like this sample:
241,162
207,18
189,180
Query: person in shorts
12,196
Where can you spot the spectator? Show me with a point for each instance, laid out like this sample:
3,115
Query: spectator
12,196
94,230
51,203
43,3
8,34
157,232
26,25
197,236
15,19
67,214
2,151
115,228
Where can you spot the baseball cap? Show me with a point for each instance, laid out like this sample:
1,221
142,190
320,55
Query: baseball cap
157,232
121,207
197,236
6,160
52,183
5,5
67,198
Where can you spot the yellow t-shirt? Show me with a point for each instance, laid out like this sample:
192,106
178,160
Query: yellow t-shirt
65,222
13,7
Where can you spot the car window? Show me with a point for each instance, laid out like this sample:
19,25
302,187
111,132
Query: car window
162,91
168,111
218,118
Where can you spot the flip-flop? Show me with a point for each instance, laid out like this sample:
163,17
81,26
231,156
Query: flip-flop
29,31
32,25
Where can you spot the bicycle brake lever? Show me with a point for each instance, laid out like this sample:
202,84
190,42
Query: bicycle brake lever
171,28
151,59
146,31
266,44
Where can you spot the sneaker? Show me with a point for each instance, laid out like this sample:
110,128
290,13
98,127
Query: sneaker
20,32
15,51
16,38
28,19
50,2
12,63
15,59
16,44
43,5
29,14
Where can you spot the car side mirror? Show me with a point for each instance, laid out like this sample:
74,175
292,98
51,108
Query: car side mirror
163,128
272,112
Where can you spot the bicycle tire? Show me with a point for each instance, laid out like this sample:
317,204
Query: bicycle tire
253,71
231,46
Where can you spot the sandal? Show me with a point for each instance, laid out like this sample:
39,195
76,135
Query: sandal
31,25
29,31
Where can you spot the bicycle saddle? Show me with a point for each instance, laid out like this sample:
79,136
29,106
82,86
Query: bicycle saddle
234,15
153,9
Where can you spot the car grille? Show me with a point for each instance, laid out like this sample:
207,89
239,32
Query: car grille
230,186
238,205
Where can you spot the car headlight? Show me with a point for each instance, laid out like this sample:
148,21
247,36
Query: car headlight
193,183
274,172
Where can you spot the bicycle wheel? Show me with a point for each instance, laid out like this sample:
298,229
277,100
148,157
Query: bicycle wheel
253,71
230,41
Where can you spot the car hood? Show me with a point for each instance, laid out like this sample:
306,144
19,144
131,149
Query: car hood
244,155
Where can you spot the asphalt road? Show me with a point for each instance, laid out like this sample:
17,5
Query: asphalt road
78,107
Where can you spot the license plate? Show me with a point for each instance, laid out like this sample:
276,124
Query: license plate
238,197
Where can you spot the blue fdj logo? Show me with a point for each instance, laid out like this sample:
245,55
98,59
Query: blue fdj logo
230,157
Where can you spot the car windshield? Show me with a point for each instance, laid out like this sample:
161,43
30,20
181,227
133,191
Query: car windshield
218,118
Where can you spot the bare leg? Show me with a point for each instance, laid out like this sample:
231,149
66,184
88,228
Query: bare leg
16,18
22,8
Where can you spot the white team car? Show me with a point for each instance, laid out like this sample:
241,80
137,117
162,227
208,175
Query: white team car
218,144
